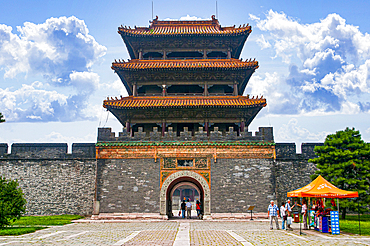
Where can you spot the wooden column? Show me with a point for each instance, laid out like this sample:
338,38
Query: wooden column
163,128
164,55
205,89
235,93
127,126
206,127
204,54
140,54
242,126
134,90
229,54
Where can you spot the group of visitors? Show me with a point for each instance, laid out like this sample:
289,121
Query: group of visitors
285,212
187,206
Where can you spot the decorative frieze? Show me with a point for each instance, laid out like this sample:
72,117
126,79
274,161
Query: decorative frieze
176,150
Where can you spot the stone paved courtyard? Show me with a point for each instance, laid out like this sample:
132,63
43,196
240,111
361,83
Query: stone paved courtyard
179,232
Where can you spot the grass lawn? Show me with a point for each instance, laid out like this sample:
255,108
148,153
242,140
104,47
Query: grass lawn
350,224
47,220
15,231
28,224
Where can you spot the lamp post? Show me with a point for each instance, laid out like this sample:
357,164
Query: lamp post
358,200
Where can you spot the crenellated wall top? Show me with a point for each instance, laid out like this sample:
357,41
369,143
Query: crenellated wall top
47,151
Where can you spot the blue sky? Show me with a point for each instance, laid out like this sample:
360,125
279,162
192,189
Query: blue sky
55,59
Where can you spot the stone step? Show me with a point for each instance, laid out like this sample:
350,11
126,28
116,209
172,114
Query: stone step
128,216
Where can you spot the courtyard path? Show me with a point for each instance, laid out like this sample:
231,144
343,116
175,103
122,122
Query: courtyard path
178,233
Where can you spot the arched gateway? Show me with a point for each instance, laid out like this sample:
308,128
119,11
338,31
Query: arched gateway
184,177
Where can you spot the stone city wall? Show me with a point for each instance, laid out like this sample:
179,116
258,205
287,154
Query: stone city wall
55,182
128,185
293,170
239,183
52,181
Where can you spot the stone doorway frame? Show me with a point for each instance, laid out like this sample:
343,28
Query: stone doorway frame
183,175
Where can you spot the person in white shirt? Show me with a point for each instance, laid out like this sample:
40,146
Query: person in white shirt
304,214
283,215
273,213
188,209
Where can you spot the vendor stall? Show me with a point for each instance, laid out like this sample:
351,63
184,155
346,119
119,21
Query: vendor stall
325,221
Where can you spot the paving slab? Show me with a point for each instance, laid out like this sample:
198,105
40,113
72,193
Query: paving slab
182,237
179,232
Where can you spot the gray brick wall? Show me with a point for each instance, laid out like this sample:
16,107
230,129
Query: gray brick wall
293,170
238,183
55,182
128,185
54,186
52,181
291,175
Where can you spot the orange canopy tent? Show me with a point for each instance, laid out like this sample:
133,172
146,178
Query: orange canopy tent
320,187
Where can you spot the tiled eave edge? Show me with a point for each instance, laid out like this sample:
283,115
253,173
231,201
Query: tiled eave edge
187,143
205,34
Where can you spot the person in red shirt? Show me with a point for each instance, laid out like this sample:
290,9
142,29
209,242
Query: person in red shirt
199,208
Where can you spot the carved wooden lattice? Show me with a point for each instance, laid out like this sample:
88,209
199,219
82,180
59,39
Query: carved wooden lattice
206,176
165,175
169,163
200,163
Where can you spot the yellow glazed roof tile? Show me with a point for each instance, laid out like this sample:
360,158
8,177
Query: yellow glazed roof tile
185,102
202,27
185,64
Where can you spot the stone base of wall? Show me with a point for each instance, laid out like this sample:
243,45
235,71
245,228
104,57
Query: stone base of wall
117,217
235,216
129,216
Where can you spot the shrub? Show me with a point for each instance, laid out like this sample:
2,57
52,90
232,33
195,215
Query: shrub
12,203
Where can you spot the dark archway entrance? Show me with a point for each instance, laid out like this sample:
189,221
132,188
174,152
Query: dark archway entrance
185,176
178,189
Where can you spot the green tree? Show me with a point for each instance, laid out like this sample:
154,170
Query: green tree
12,203
2,118
344,161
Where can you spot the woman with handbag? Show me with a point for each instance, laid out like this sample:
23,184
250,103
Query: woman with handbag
289,218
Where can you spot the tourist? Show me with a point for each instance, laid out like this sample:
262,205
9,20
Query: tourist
183,206
188,209
288,209
198,206
304,214
273,212
283,215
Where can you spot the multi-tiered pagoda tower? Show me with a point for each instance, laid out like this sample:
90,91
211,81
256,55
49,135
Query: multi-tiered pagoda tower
185,115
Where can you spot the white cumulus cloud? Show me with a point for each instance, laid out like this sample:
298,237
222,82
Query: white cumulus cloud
54,48
329,65
62,51
186,18
293,132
